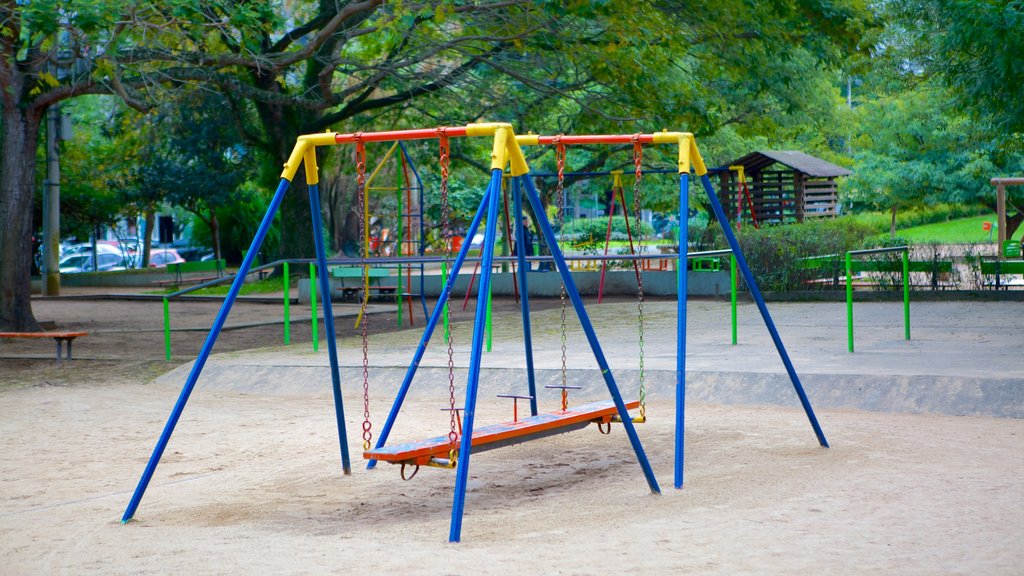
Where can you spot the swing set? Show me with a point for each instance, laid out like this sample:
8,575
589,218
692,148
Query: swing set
452,450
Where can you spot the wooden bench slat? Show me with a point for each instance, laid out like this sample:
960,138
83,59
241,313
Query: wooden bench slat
42,334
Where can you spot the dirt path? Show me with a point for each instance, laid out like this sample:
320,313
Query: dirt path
250,482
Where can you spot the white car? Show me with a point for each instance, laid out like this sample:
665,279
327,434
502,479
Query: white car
83,263
86,248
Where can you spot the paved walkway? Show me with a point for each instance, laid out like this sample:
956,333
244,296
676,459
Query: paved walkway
963,358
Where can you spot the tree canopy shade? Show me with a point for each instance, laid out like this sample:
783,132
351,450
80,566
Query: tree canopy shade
306,66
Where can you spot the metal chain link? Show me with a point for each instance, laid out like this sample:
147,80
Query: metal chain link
560,198
453,432
361,199
637,207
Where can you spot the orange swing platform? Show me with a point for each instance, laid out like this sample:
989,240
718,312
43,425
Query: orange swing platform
504,434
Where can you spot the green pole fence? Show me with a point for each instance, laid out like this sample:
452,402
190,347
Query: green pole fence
906,293
167,329
312,307
287,285
849,301
732,288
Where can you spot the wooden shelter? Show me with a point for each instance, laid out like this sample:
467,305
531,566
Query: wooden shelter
784,186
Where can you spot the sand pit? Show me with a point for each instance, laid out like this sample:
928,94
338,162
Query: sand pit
251,480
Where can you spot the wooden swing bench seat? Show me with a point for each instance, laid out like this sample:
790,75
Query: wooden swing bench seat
503,434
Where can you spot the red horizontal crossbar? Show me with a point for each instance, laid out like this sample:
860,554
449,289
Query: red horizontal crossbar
392,135
597,139
501,434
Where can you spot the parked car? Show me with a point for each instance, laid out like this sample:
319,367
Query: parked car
86,248
83,263
161,257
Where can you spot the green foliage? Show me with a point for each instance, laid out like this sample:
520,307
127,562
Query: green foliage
238,221
775,253
974,48
917,216
587,230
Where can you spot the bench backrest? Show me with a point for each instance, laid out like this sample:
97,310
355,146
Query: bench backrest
190,267
933,266
1004,267
357,272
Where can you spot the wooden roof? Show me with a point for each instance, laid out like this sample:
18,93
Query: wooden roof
810,165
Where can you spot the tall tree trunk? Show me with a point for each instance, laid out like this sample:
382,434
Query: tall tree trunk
892,223
147,242
1013,222
283,126
20,136
215,232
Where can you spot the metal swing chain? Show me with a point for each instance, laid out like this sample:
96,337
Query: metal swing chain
361,199
560,199
453,433
638,164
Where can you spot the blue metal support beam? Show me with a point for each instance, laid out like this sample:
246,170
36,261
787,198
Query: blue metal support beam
476,352
524,292
682,290
204,353
428,331
332,346
588,329
755,292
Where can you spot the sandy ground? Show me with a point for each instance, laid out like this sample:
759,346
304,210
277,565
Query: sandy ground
251,480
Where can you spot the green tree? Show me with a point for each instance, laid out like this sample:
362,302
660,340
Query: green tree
303,67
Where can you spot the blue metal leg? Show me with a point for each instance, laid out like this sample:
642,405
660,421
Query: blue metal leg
682,291
332,347
524,293
476,351
204,354
428,331
588,329
755,292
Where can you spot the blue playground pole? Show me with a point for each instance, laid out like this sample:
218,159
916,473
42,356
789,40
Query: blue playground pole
204,354
524,298
755,292
428,331
476,351
332,348
682,287
588,329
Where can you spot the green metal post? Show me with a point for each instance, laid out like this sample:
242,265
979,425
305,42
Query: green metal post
849,301
287,306
490,332
444,282
906,294
312,307
732,288
167,329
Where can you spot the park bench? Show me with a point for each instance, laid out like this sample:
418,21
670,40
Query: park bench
351,278
999,269
58,337
181,269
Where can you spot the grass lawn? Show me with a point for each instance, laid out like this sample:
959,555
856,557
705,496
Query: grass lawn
964,230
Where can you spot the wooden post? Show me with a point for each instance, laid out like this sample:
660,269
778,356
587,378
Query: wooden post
1001,184
1001,217
798,195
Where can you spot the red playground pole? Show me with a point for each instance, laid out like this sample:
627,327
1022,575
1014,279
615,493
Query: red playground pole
616,191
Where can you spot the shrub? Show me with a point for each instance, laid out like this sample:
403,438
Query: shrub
585,230
779,256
